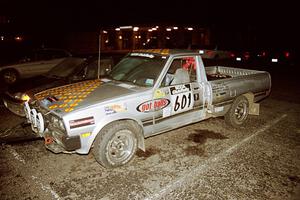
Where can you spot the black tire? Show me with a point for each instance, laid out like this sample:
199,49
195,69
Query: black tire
116,144
238,113
10,76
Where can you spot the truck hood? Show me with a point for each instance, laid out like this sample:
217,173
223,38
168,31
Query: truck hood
72,97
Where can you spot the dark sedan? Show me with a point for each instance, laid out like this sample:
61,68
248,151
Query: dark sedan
73,69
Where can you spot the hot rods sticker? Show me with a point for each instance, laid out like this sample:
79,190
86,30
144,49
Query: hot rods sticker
153,105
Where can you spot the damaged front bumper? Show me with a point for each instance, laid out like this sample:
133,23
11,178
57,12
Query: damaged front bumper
66,145
56,140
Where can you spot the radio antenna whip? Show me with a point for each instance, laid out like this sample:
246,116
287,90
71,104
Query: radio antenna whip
99,56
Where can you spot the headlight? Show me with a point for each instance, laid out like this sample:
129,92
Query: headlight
56,122
21,96
25,97
61,125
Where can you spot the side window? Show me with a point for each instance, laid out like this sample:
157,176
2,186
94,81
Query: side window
182,70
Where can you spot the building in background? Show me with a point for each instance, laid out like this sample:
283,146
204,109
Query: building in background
140,37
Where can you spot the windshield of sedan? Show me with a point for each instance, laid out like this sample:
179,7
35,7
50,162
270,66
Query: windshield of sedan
66,67
140,70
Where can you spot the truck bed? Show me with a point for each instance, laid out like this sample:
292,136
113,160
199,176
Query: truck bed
221,72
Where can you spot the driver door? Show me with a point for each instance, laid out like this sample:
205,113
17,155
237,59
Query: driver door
182,91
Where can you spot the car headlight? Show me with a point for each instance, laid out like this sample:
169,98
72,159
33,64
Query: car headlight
56,122
22,96
25,97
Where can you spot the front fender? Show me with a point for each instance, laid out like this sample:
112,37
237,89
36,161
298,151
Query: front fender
107,120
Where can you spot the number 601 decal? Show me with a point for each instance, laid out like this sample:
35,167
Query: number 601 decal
182,102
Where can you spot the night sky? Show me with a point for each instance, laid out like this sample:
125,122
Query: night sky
275,23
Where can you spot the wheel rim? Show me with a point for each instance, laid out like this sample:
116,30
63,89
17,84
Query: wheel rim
240,111
121,146
10,77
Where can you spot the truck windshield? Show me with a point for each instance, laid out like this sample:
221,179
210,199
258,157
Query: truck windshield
142,71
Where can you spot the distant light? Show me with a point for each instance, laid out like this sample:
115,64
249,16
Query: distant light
117,29
125,27
190,29
18,38
274,60
104,31
148,40
120,37
150,30
238,59
154,29
175,27
106,41
136,37
144,44
201,51
168,29
287,54
156,26
139,37
167,38
135,28
2,38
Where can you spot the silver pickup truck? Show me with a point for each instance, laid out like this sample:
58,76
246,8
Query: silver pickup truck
147,93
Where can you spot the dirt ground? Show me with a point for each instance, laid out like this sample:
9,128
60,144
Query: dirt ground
206,160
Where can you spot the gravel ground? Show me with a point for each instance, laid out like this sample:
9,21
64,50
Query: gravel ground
206,160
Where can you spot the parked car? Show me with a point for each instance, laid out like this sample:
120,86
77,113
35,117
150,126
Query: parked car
35,63
243,56
147,93
266,57
286,57
70,70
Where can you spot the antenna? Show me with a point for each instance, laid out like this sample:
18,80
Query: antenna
99,56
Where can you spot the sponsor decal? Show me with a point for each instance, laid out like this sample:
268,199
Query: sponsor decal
180,89
159,94
81,122
219,109
115,108
142,55
84,135
153,105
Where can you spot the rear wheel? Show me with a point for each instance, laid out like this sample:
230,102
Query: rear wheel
116,144
238,113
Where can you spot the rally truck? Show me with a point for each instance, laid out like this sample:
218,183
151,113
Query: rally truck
147,93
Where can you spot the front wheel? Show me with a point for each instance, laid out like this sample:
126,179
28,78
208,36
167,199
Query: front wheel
238,113
9,76
116,144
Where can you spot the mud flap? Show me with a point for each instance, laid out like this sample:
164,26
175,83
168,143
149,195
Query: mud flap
254,109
